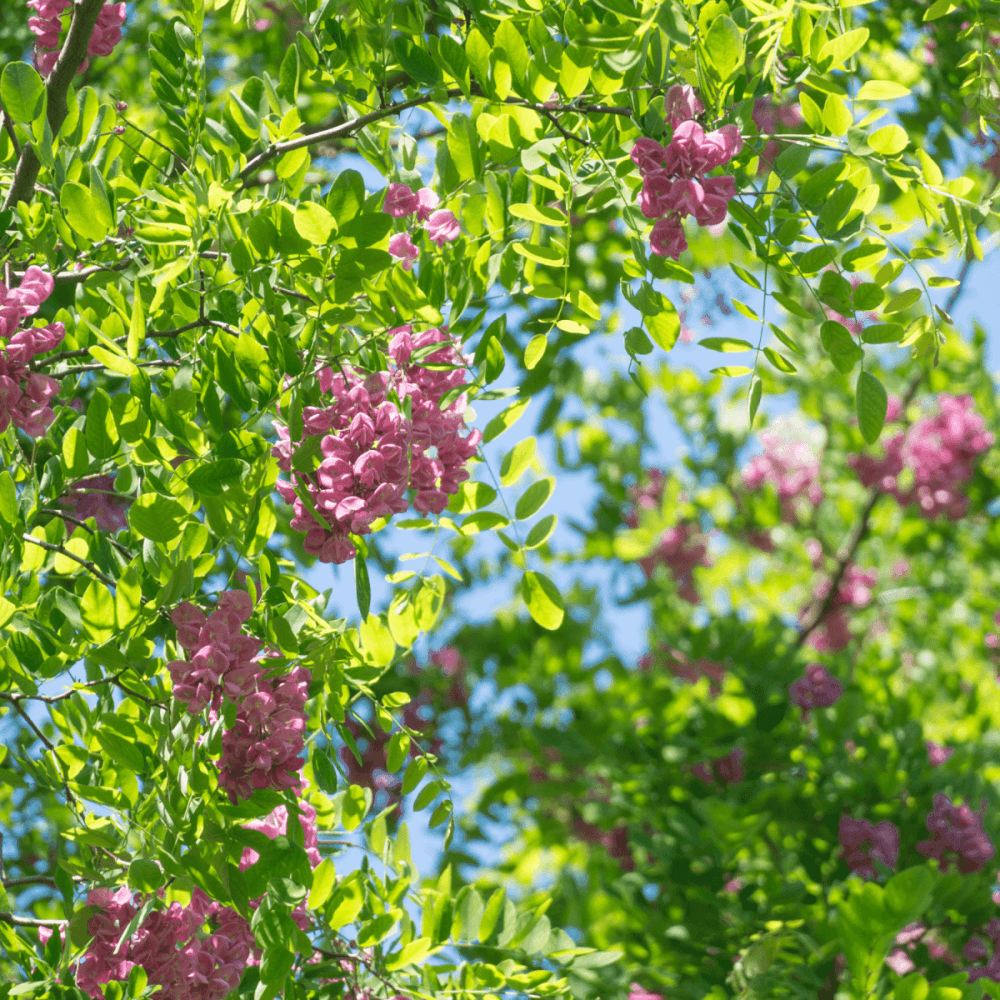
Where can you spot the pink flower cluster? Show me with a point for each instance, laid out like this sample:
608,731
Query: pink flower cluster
689,670
170,945
95,497
769,118
728,769
262,748
791,466
815,689
615,841
681,548
47,24
957,834
674,184
939,452
854,591
937,755
975,950
25,396
863,843
372,453
441,225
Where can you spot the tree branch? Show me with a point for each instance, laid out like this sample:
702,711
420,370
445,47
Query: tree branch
85,563
349,128
74,51
9,918
79,277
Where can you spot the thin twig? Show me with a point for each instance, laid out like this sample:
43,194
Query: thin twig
85,563
10,918
8,125
83,524
79,277
563,132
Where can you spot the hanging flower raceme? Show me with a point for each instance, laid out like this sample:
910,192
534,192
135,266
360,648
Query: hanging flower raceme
95,497
46,26
928,464
790,464
957,836
674,182
262,748
441,225
863,843
832,633
815,689
728,769
372,453
25,396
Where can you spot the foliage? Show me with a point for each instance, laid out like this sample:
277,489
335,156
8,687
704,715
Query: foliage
227,355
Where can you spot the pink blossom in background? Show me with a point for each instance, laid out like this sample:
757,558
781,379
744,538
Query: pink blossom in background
95,497
854,591
814,550
262,24
863,843
637,992
790,465
401,245
975,949
372,454
769,118
680,666
957,837
427,201
937,755
900,962
939,450
730,768
400,201
615,841
815,689
681,104
442,227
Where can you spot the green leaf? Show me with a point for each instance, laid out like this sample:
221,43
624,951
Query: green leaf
731,371
540,254
727,345
538,213
354,806
494,907
145,875
416,62
156,517
414,774
540,532
211,478
505,420
882,333
902,301
724,47
399,747
323,881
516,462
889,141
314,223
325,772
22,92
362,585
872,404
346,904
463,144
86,215
838,50
119,749
913,987
534,498
779,361
839,344
535,351
939,9
472,496
753,399
882,90
836,114
8,499
542,597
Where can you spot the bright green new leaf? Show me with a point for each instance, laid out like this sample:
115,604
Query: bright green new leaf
542,597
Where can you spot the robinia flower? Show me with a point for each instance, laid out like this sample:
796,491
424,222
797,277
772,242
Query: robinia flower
863,843
401,245
815,689
442,227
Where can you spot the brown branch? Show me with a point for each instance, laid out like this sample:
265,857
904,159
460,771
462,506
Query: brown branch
85,563
14,921
83,524
29,880
79,277
8,126
563,132
853,541
80,369
347,129
74,51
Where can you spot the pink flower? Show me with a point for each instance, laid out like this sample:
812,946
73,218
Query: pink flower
791,466
647,155
402,246
443,227
815,689
637,992
400,201
682,104
95,497
427,201
863,843
937,755
667,238
958,835
900,962
656,197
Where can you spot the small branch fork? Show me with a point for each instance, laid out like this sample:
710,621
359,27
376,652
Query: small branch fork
850,547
